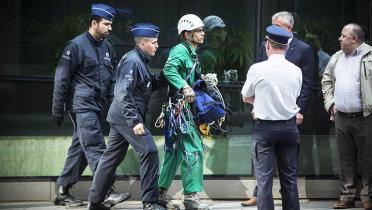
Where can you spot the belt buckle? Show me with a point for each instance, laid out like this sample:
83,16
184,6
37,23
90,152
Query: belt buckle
355,114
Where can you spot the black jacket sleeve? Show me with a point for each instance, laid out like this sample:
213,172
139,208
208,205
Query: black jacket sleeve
125,89
307,68
62,79
110,92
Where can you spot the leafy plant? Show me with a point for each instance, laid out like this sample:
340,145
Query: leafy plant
328,33
237,52
55,33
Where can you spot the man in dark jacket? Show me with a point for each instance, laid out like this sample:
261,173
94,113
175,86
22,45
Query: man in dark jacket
126,117
82,83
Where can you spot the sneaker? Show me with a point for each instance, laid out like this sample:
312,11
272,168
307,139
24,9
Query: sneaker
192,202
166,201
341,204
152,206
113,197
64,198
97,206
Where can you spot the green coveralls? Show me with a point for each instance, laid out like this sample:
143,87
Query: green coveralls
189,152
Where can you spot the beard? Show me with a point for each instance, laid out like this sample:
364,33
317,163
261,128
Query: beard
105,35
102,35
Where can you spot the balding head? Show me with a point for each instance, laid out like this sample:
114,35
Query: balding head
351,38
357,31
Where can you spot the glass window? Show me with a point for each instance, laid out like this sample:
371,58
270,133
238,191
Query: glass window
37,32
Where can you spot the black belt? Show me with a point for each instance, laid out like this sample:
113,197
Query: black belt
351,114
275,121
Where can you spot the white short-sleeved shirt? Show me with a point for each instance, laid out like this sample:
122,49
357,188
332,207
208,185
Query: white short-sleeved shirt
275,85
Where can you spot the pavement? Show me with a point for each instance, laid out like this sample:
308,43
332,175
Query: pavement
136,205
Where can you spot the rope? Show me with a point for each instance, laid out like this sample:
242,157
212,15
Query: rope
213,80
159,123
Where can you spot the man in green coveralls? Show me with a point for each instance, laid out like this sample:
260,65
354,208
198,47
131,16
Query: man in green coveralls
189,150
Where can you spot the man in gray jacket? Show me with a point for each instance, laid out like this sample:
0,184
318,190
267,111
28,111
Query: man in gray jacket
347,90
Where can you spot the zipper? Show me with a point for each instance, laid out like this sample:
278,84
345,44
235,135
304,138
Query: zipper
365,72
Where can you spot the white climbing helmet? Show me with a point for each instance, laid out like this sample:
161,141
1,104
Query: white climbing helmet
213,21
189,22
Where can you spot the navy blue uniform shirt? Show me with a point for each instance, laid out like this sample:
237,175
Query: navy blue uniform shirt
134,84
84,76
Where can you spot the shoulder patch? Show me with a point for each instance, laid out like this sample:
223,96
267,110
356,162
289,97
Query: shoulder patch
129,75
66,55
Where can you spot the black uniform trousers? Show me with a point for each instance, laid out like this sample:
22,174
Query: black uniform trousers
87,147
119,139
276,140
354,146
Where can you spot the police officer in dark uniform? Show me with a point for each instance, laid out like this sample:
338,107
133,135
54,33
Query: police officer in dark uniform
273,86
83,81
134,84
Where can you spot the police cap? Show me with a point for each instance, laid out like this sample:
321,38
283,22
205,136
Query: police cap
145,30
278,35
104,11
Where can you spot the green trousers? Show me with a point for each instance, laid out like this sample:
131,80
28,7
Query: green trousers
189,154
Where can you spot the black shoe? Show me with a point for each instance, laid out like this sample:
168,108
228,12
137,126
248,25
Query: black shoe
64,198
97,206
152,206
113,197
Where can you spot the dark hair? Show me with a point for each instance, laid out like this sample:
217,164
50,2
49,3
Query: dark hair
277,45
357,31
94,17
182,35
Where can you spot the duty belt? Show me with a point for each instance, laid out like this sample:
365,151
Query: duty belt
351,114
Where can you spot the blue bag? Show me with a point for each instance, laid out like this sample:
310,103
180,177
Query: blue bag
208,109
170,131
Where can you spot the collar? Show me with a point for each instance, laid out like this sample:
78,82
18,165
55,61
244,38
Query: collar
357,51
193,50
94,41
277,55
290,40
144,57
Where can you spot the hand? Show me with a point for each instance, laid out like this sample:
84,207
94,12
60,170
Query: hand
253,116
139,129
248,99
332,110
189,94
58,120
299,118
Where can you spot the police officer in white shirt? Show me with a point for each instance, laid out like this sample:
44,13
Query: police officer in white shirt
272,87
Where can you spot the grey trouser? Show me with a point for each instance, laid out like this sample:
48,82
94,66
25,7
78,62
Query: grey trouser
86,148
276,140
354,137
117,146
